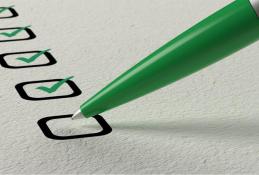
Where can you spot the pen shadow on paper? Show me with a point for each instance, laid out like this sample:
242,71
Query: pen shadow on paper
232,128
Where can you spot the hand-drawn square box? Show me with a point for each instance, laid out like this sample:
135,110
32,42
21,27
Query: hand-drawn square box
30,33
13,14
48,55
24,95
106,129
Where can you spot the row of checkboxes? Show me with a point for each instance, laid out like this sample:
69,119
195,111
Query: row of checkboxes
42,89
32,59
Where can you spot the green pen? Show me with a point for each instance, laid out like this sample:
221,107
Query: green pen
216,37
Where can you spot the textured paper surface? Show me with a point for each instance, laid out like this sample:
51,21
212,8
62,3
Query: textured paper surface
206,123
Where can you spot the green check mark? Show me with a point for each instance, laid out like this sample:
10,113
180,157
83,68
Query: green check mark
2,9
32,58
15,32
54,87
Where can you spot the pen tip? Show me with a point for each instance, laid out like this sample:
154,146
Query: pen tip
77,115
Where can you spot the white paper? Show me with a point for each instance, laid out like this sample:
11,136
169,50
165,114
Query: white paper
206,123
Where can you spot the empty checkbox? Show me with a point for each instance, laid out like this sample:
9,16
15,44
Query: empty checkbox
63,128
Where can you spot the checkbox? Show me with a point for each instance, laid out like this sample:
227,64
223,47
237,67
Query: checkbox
24,34
66,132
11,60
34,90
8,12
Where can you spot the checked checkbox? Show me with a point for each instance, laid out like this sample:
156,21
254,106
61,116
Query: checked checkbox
28,59
16,34
48,89
7,12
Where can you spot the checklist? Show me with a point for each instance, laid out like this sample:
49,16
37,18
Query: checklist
39,90
55,54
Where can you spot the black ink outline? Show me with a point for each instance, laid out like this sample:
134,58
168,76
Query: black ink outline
14,14
23,94
29,32
47,132
48,55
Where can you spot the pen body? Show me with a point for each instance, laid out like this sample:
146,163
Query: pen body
216,37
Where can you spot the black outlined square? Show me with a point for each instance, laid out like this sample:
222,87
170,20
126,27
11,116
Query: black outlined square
13,14
30,33
48,55
47,132
24,95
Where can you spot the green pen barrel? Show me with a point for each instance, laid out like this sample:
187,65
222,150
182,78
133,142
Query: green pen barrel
216,37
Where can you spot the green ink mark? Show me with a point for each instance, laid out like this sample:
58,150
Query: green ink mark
54,87
15,32
2,9
32,58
